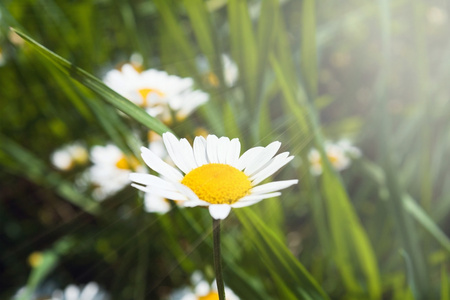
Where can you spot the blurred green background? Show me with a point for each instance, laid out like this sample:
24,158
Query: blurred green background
375,72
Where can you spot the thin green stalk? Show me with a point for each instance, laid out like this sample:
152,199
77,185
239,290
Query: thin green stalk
217,259
417,270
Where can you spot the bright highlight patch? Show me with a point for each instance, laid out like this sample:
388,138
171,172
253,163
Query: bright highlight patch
218,183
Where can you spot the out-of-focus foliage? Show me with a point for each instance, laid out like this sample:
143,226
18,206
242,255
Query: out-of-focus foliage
374,72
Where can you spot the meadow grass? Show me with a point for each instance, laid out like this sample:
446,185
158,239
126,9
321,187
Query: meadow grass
310,72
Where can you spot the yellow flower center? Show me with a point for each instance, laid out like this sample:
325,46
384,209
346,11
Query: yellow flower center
212,79
210,296
127,163
333,159
144,93
218,183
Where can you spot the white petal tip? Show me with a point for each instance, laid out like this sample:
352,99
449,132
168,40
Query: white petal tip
219,211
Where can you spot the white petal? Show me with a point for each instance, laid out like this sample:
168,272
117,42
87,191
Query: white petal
273,186
161,192
202,288
247,157
211,148
258,197
240,204
89,291
274,165
71,292
222,149
156,204
219,211
186,191
200,151
234,150
262,159
194,203
188,155
156,163
151,180
173,148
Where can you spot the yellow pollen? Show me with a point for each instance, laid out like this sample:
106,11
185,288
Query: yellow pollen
35,259
127,163
218,183
144,93
137,67
210,296
333,159
212,79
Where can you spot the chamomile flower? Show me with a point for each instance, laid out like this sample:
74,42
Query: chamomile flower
110,170
339,154
213,174
159,93
69,156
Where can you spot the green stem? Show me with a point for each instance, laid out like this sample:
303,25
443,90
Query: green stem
218,260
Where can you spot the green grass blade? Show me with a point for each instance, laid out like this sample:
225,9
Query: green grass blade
179,50
204,32
353,252
445,288
38,274
36,170
350,239
97,86
243,48
48,262
308,46
403,223
422,218
278,258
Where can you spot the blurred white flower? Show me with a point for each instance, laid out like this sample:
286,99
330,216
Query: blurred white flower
159,93
230,71
67,157
339,154
201,290
110,170
90,291
436,15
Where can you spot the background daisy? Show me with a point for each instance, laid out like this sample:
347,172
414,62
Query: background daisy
110,170
159,93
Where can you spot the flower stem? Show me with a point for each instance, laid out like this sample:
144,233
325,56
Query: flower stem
218,260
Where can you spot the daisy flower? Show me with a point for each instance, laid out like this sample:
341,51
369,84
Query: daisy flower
213,174
110,170
159,93
339,154
69,156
